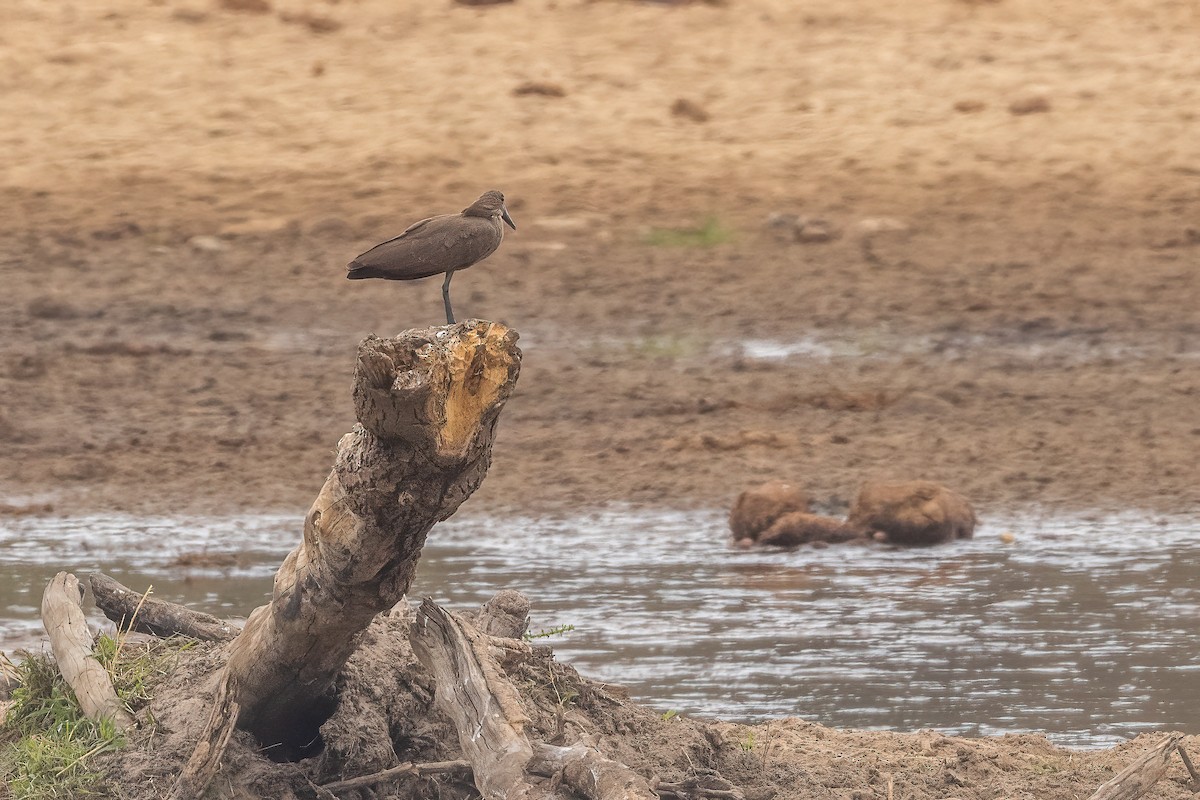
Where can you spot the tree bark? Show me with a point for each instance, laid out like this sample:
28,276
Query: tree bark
71,643
205,761
427,402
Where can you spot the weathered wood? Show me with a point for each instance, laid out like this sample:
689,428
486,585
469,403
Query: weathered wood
71,643
583,769
133,611
398,771
707,786
505,614
427,402
1136,779
485,708
1191,768
482,704
205,761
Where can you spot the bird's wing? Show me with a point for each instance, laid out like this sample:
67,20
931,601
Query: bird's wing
409,231
429,247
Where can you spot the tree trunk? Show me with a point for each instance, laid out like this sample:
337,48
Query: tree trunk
427,402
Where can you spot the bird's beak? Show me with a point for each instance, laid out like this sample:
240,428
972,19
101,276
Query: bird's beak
504,216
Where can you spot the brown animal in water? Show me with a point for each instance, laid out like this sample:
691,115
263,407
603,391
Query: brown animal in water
912,513
442,244
757,508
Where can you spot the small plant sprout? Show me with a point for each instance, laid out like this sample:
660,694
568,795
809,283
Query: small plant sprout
557,630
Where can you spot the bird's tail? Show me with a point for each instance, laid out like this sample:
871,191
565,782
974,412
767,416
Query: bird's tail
356,270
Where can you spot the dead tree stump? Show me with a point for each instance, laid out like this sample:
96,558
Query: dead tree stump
427,402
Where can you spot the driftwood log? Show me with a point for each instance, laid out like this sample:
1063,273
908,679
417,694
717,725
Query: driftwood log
471,689
1190,767
71,643
1136,779
427,402
134,611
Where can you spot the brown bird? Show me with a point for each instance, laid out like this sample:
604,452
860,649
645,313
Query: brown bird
445,243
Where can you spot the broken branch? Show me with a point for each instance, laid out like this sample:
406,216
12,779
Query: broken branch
71,643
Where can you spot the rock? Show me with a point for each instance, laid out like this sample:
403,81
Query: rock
246,6
912,513
813,231
316,23
756,509
798,527
806,230
49,307
206,244
117,230
689,109
540,88
1032,104
871,225
782,221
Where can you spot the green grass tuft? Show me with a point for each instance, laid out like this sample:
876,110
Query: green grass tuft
46,742
708,234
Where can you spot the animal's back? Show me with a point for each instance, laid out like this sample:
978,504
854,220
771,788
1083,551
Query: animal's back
430,247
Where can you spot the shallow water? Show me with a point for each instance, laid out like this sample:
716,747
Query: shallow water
1068,347
1083,628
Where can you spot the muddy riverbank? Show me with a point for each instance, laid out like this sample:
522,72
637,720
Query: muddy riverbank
1006,305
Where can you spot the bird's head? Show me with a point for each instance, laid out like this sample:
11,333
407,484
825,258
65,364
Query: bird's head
491,205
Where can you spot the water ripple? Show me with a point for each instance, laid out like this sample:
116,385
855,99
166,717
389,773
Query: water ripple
1083,628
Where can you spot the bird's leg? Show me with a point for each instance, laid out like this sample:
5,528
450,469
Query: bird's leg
446,298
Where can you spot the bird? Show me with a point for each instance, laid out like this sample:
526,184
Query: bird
441,244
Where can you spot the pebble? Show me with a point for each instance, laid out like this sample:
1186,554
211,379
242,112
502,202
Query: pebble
206,244
689,109
540,88
1033,104
880,225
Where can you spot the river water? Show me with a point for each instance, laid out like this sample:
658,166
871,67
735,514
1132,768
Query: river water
1087,629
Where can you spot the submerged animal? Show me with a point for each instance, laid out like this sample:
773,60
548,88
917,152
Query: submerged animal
442,244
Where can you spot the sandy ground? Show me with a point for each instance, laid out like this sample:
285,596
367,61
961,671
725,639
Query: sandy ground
183,184
1008,302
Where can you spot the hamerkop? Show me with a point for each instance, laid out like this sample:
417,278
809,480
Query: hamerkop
442,244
